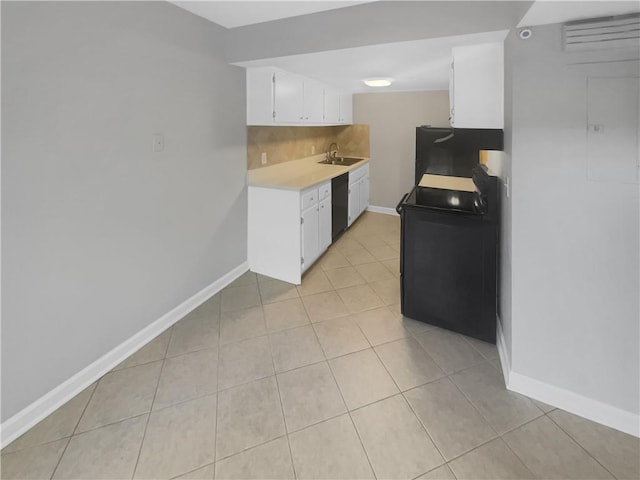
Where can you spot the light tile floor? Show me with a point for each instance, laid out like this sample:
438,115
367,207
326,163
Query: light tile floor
325,380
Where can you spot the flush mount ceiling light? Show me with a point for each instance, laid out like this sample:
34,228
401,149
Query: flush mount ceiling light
377,82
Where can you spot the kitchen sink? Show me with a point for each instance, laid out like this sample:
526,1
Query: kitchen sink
343,161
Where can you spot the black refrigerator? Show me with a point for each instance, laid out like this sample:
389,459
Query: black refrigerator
453,151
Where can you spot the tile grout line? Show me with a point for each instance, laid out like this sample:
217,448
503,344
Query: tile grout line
284,419
76,427
146,426
464,337
401,393
501,436
244,450
362,444
447,375
478,410
446,464
60,459
352,422
215,433
191,471
579,444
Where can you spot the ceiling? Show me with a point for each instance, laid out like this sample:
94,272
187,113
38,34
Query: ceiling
412,65
415,65
237,13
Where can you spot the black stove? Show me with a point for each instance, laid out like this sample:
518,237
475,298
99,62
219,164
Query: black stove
448,256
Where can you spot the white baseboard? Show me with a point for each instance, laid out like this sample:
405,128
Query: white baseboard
22,421
385,210
503,353
569,401
575,403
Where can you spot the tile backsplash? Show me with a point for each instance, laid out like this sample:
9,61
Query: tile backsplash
283,144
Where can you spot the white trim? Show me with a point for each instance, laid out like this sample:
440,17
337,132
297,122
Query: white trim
503,353
29,416
572,402
385,210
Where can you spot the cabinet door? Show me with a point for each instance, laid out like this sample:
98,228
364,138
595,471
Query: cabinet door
309,233
260,96
324,224
354,202
313,101
364,193
331,106
478,86
346,108
288,98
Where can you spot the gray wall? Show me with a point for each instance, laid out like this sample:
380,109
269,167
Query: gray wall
392,119
575,242
370,24
100,235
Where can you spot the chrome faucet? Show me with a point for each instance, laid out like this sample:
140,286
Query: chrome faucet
331,154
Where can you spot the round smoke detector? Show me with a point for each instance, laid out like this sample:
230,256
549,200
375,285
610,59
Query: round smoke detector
525,33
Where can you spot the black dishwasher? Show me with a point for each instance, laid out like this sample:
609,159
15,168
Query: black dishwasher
339,204
448,257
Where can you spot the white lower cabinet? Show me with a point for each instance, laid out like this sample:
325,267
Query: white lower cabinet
324,224
358,192
354,202
316,223
310,235
288,230
364,193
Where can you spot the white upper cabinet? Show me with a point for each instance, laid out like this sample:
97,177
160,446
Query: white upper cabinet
313,103
346,109
338,107
277,97
288,98
260,96
477,86
331,106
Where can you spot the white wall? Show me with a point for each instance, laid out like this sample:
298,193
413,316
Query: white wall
100,236
392,119
575,242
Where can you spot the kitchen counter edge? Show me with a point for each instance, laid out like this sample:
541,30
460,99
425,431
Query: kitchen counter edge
315,174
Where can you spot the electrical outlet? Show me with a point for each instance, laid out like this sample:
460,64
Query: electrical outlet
313,149
263,158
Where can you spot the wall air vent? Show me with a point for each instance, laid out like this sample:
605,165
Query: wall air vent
622,31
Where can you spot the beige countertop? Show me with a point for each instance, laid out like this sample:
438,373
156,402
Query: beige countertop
447,183
298,174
